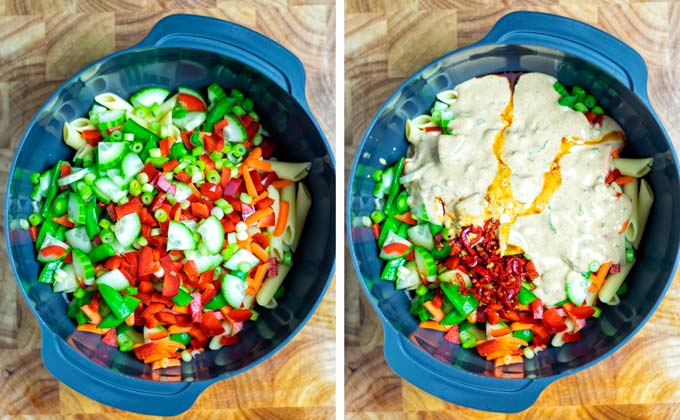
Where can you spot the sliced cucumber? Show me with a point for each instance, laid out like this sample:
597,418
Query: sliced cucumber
109,154
127,229
149,96
65,281
212,233
234,290
109,189
78,239
577,287
215,94
131,165
75,175
425,262
51,241
183,191
111,118
408,278
190,91
207,262
116,176
83,266
234,130
114,278
180,237
190,121
451,276
76,208
243,260
393,238
420,235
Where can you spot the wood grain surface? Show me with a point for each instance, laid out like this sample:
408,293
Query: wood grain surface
388,40
42,42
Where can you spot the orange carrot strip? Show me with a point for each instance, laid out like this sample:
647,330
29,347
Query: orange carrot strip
259,252
165,363
259,198
281,183
434,325
624,227
254,154
436,312
519,326
615,153
507,360
500,332
92,328
406,218
181,309
255,217
598,279
261,165
283,218
245,244
176,329
92,314
250,187
130,320
622,180
260,273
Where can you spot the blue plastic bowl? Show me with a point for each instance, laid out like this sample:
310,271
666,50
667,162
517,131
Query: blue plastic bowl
189,51
616,75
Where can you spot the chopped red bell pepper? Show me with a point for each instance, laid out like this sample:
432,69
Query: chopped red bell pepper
239,315
55,251
130,207
190,102
211,191
537,308
487,347
145,350
272,267
228,340
553,322
196,308
211,325
452,335
581,312
170,284
110,338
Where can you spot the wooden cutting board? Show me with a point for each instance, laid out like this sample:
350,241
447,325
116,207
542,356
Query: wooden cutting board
388,40
42,42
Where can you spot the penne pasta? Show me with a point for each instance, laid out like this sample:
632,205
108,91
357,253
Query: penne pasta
72,137
140,121
645,201
277,247
611,285
447,96
82,124
293,171
633,167
271,285
166,107
631,190
303,202
288,194
112,101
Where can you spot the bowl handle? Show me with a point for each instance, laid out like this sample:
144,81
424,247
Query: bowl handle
236,41
457,386
112,388
578,38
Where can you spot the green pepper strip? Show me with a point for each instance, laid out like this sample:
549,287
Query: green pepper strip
140,132
390,225
394,188
101,253
115,301
216,303
48,226
91,219
183,298
524,335
52,190
177,151
183,338
525,296
465,305
47,273
439,254
218,112
392,268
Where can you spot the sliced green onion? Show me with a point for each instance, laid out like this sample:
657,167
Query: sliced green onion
106,236
377,175
141,111
135,188
161,215
35,178
23,224
248,104
287,258
147,198
597,110
245,198
593,266
137,147
254,116
237,110
213,177
117,135
239,150
580,107
105,223
90,178
622,289
421,290
129,137
377,216
179,111
630,255
34,219
155,109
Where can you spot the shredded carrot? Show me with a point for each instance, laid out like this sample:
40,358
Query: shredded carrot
254,154
472,318
260,272
261,165
624,227
406,218
260,197
92,314
508,360
92,328
170,345
519,326
250,187
255,217
599,277
499,332
130,320
436,312
245,244
433,325
283,218
259,252
176,329
281,183
165,363
622,180
615,153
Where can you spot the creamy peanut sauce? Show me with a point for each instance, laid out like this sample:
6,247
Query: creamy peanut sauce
536,166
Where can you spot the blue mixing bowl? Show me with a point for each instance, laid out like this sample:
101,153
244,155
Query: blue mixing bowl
189,51
616,75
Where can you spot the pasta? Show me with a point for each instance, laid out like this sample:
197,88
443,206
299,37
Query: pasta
608,291
72,137
303,201
81,124
271,285
636,168
288,194
631,190
113,101
167,106
291,171
645,200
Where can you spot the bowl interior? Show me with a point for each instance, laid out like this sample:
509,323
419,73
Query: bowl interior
655,259
297,139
